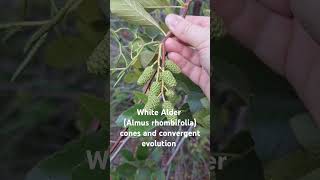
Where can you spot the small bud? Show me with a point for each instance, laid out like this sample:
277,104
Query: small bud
145,76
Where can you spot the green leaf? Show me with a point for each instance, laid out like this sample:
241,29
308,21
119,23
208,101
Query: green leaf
61,164
314,175
306,132
153,4
158,175
139,96
98,60
83,172
91,109
143,174
292,166
142,152
136,44
132,77
126,170
89,11
127,155
66,52
133,12
203,118
146,56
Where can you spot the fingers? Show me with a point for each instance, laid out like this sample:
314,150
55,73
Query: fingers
197,75
279,6
173,45
258,28
186,31
306,11
203,21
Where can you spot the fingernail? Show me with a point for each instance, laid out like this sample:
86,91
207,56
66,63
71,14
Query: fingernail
172,20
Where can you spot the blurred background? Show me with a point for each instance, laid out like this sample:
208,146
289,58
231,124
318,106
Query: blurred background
42,109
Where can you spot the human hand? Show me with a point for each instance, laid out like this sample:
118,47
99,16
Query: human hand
275,33
190,48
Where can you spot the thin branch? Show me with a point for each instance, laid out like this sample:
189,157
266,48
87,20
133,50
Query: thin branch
23,24
177,149
114,155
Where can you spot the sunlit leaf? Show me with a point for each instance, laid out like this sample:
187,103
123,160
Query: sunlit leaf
133,12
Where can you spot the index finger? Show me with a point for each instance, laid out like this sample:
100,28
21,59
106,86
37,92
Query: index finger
203,21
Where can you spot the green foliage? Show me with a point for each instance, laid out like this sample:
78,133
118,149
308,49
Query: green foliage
133,12
98,61
69,163
92,110
67,52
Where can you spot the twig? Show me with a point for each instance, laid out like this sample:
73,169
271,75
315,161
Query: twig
177,149
120,147
117,142
24,24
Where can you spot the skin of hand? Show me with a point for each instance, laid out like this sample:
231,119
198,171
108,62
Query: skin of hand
274,31
190,48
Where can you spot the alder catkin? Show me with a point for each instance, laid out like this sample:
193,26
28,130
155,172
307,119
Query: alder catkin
155,88
171,66
153,102
145,76
168,79
167,105
171,95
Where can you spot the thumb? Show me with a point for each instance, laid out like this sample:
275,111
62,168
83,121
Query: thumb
186,31
307,12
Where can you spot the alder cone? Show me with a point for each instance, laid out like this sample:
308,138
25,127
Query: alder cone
145,76
171,95
167,105
168,79
153,102
171,66
155,88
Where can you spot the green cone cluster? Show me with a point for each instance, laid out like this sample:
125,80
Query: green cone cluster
168,79
171,66
155,88
146,75
153,102
167,105
97,62
171,95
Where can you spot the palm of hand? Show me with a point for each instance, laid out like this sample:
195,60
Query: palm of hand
193,61
268,28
